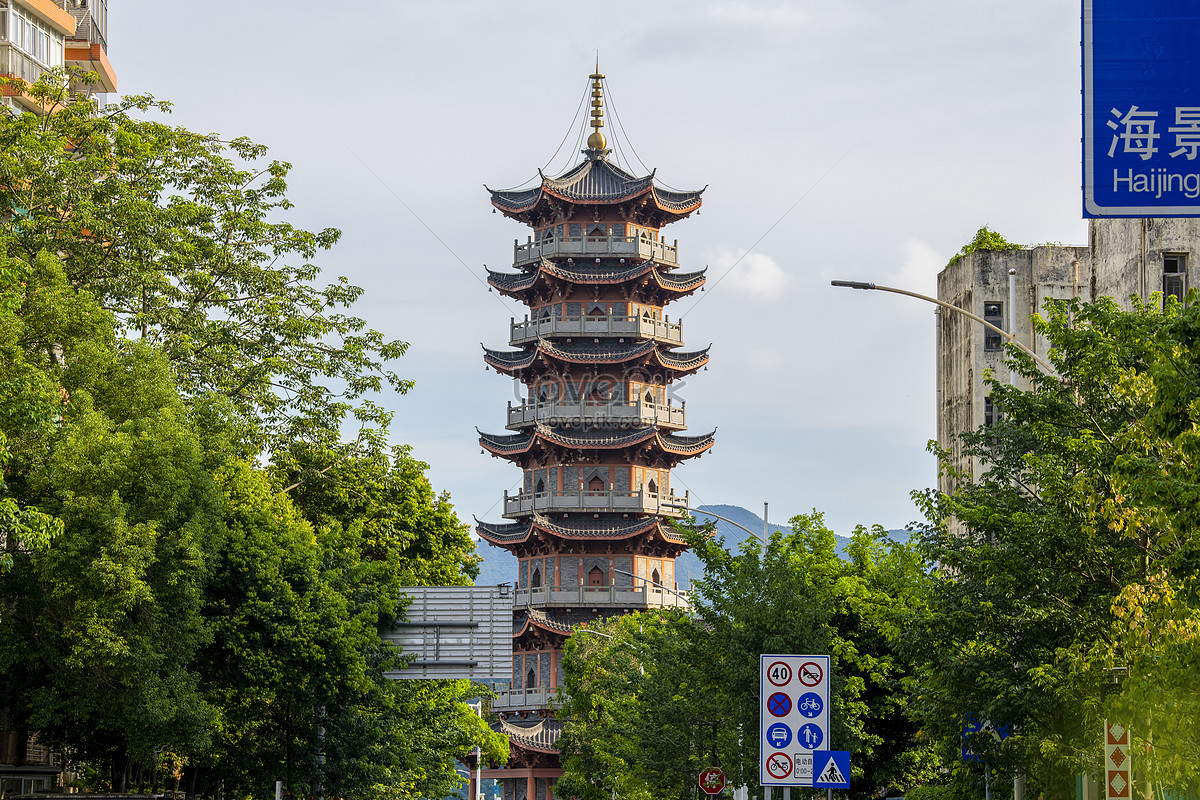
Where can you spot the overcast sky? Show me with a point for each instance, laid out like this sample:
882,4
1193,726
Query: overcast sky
867,139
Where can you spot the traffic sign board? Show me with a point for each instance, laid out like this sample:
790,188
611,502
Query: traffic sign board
810,705
1118,760
779,704
779,673
811,673
779,766
831,769
810,735
794,692
779,735
712,780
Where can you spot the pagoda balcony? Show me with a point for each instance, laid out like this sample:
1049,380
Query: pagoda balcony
631,247
633,327
523,699
575,413
602,501
600,597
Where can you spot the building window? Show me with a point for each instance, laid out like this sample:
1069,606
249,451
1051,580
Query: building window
990,413
595,577
1174,276
993,314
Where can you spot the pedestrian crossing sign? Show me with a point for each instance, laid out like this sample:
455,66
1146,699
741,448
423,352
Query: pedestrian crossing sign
831,769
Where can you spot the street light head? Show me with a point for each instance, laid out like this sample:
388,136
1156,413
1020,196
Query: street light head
853,284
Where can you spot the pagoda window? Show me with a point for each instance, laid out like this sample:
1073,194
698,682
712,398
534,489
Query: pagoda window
597,230
540,487
649,397
535,580
595,577
655,578
652,486
545,312
531,679
601,390
543,394
596,484
597,310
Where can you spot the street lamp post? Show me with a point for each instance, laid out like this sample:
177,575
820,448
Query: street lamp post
1011,336
723,519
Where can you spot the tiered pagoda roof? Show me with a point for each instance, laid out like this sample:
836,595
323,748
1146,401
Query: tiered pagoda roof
550,357
577,529
596,181
575,445
647,280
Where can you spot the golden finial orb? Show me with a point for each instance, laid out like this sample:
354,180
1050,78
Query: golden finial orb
596,140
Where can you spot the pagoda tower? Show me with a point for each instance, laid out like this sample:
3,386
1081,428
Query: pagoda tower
597,430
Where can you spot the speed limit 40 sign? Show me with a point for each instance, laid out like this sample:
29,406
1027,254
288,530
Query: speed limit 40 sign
794,717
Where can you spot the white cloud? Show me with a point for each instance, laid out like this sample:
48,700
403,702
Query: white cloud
751,15
921,265
755,274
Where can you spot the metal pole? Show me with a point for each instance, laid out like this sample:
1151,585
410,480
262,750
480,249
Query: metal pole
1012,338
478,758
765,529
787,793
1012,318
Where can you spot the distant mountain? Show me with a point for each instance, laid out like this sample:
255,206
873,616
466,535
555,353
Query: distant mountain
500,567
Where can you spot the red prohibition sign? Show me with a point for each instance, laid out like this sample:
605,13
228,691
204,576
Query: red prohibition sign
779,673
779,765
810,673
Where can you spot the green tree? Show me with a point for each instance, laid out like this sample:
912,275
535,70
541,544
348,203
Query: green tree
176,234
1086,511
694,699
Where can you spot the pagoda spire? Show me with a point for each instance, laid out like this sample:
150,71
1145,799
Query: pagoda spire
596,142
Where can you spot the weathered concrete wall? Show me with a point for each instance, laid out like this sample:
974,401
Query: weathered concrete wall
1128,254
965,356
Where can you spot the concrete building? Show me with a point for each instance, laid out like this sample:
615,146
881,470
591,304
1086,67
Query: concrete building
41,35
1124,258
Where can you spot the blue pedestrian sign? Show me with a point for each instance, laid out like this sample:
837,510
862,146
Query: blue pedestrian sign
1141,108
810,736
779,735
831,769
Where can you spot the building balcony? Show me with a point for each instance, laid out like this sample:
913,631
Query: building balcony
631,247
645,596
577,413
523,699
603,501
92,58
530,330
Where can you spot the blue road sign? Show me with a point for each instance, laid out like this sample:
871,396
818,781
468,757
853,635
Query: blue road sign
831,769
1141,108
810,704
809,736
779,704
779,735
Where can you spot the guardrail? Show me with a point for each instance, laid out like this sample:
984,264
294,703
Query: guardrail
601,596
581,246
575,412
633,327
640,501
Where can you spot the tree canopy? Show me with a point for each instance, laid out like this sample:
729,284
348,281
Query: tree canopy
1072,595
669,695
196,566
